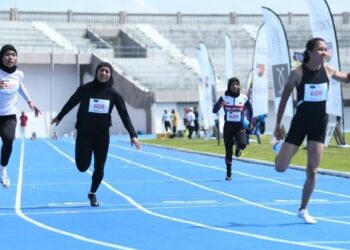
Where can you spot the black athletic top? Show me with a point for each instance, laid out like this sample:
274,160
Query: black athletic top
96,103
312,92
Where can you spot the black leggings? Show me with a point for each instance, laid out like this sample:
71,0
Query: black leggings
7,133
231,132
86,144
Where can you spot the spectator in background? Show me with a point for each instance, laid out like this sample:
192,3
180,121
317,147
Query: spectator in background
196,121
54,136
33,137
166,119
190,117
11,83
261,123
174,121
23,122
186,110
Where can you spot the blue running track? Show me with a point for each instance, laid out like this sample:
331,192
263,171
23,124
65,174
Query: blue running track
160,199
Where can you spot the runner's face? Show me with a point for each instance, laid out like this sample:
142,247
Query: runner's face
9,59
103,74
319,53
235,86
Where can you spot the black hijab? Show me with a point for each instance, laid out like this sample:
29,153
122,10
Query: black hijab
3,50
229,91
110,82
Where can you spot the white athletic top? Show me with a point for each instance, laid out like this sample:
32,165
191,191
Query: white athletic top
234,107
8,95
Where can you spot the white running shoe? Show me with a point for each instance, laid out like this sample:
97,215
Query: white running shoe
304,215
5,181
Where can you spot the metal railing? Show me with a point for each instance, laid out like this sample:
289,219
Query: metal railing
123,17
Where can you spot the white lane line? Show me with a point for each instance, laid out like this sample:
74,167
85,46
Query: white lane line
311,200
193,223
189,202
154,206
46,227
330,242
68,204
221,192
258,236
236,172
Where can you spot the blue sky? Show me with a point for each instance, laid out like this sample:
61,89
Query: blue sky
170,6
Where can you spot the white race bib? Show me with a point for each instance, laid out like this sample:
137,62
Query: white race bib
233,116
315,92
100,106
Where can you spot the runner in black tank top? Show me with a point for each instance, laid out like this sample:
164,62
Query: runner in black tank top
311,81
311,107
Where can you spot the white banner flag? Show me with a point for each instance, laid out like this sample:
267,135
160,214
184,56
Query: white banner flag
228,58
249,84
206,87
322,26
278,56
260,79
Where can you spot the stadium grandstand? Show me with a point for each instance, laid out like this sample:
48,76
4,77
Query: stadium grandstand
153,55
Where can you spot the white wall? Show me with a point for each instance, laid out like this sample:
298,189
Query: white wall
158,111
37,79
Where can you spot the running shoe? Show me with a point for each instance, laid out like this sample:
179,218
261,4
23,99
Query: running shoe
304,215
238,152
93,200
228,178
5,181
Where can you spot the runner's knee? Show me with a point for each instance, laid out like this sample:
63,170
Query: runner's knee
280,168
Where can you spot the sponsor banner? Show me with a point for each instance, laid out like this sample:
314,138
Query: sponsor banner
259,73
279,57
249,85
206,87
228,57
322,25
280,76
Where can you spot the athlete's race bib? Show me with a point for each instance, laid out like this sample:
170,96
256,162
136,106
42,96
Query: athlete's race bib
315,92
98,106
233,116
9,86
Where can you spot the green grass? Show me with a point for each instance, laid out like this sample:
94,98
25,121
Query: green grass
334,158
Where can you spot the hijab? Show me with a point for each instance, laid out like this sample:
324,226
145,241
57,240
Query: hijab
3,50
110,82
229,91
